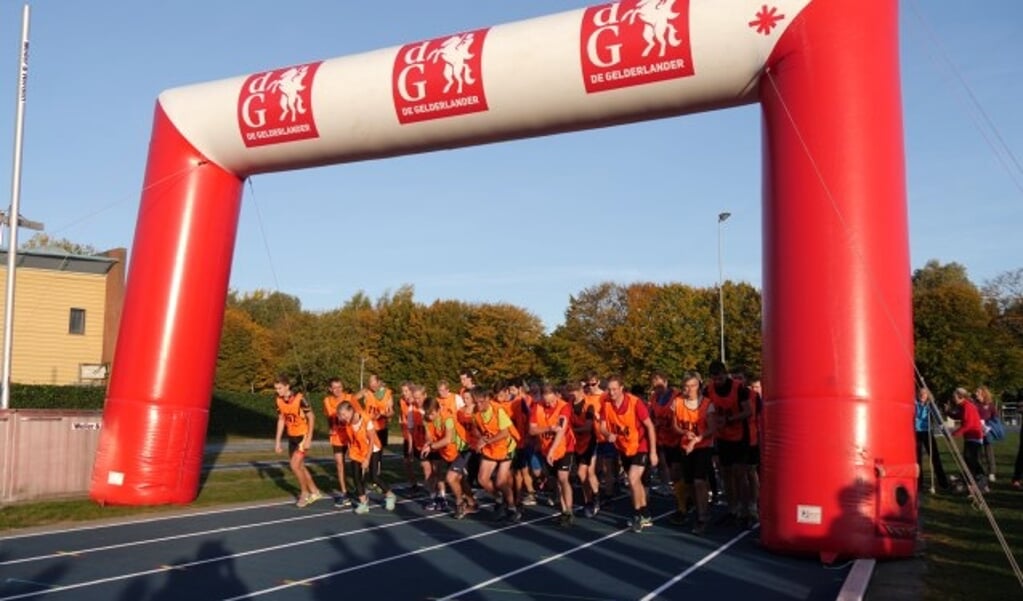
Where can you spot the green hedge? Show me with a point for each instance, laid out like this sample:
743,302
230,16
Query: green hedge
231,413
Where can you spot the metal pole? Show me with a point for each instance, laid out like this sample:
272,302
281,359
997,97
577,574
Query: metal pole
722,217
12,245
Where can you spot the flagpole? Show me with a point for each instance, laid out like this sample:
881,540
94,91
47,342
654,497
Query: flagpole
14,213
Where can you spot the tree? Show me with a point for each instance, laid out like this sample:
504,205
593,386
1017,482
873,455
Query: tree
588,332
42,240
400,336
267,308
951,326
245,360
502,342
1004,300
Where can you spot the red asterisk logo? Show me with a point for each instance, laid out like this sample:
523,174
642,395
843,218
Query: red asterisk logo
767,19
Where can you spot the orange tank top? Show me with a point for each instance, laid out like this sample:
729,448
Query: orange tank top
436,431
694,420
623,425
360,446
295,422
499,450
726,407
547,417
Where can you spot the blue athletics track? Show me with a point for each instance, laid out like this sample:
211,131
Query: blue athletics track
278,551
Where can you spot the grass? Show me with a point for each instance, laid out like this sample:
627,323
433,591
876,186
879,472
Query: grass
963,557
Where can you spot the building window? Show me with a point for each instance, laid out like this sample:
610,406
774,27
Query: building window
76,322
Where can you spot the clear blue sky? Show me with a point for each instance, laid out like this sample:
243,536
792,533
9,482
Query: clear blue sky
527,222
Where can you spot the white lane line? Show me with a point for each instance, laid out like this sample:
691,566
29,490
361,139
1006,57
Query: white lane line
696,566
162,539
191,564
144,521
856,582
546,560
375,562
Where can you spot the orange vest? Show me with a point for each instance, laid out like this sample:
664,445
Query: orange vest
753,421
338,435
295,422
448,404
663,417
435,431
403,405
496,450
376,408
725,407
466,430
359,443
519,414
596,401
546,417
417,428
624,425
694,420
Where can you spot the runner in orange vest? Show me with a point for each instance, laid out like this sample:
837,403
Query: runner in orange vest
408,453
496,445
338,436
458,478
378,401
669,446
751,434
694,422
551,422
731,408
450,402
440,450
417,427
584,420
364,450
296,416
608,466
526,464
626,423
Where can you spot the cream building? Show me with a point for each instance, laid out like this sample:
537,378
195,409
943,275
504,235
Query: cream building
67,309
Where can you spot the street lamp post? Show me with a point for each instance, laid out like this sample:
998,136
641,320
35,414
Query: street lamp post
722,217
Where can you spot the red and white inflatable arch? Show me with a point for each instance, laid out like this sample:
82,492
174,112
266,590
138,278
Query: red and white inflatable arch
839,469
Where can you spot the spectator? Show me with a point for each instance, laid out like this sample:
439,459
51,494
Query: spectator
922,422
988,411
972,432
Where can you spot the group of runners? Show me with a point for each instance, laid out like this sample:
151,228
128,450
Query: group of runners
523,444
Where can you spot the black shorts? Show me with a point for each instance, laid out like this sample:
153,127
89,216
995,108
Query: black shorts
461,463
586,457
672,455
382,435
639,459
435,458
697,465
340,449
293,443
753,457
527,457
407,450
607,450
561,465
732,452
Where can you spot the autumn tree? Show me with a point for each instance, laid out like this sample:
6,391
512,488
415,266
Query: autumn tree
245,361
588,334
951,326
502,342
